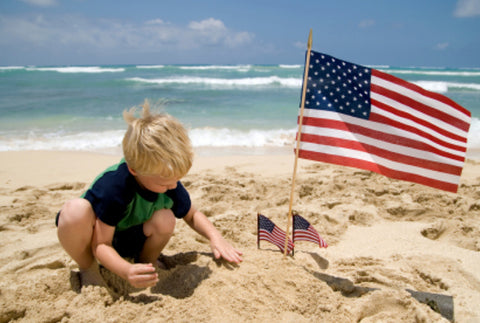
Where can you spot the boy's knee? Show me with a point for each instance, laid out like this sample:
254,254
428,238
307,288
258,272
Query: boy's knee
162,222
76,212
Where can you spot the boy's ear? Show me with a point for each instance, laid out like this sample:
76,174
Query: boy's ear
132,171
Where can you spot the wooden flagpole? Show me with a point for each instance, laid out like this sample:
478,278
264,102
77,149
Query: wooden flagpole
302,107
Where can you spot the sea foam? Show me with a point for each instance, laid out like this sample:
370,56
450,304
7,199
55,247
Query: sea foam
443,87
77,69
221,82
205,137
111,140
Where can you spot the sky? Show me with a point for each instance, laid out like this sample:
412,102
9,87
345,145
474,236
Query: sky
399,33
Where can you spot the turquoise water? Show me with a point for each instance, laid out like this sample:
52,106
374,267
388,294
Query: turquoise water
248,106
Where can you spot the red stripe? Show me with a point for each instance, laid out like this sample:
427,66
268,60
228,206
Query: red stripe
276,237
390,138
374,117
387,154
416,88
359,163
421,108
302,235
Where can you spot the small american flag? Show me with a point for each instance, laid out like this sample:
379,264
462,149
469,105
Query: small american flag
361,117
268,231
303,230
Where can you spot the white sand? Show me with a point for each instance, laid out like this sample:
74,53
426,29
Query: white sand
385,236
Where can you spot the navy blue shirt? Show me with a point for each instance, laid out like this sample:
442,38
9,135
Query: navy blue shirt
118,200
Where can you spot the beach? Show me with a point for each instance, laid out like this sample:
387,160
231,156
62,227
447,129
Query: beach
387,239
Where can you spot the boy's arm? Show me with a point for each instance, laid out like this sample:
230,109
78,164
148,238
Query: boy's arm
220,247
138,275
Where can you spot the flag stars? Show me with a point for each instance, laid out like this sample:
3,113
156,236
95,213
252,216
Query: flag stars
337,85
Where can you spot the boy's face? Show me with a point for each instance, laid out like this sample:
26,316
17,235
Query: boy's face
155,183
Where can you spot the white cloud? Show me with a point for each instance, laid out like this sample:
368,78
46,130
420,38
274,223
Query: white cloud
41,3
208,25
366,23
83,34
467,8
214,32
155,22
209,31
300,44
442,46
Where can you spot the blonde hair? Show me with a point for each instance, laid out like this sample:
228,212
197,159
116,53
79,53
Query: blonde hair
156,144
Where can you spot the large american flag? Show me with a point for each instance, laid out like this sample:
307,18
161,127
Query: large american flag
303,230
361,117
268,231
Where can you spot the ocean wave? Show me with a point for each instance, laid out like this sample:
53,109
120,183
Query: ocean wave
224,137
242,68
443,87
289,66
111,140
220,82
474,134
205,137
77,69
379,67
150,66
427,72
7,68
83,141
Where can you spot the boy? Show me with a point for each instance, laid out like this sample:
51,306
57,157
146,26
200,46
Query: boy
131,209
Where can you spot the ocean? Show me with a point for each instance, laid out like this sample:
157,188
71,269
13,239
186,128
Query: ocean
227,108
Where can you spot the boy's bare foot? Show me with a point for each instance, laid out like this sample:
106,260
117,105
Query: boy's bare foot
92,276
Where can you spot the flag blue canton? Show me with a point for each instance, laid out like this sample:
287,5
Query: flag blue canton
266,224
301,223
337,85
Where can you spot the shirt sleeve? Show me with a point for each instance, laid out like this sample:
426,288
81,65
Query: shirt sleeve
181,200
110,195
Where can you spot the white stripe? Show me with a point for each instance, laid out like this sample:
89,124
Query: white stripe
323,114
405,108
274,240
421,98
415,125
407,151
275,235
305,235
355,154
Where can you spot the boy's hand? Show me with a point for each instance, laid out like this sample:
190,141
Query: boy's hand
142,275
222,249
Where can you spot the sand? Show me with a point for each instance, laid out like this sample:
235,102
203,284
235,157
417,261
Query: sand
385,237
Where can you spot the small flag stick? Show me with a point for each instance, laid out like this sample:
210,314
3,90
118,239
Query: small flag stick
258,230
302,108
